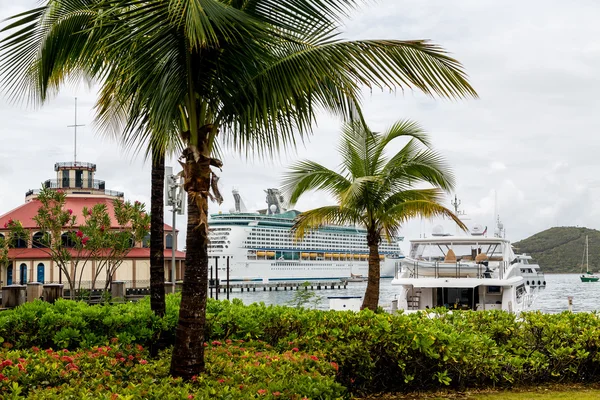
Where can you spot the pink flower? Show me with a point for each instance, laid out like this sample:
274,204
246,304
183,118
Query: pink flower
276,394
216,343
295,349
334,365
130,357
85,240
143,362
221,380
5,225
190,396
262,391
10,221
70,211
3,378
79,234
194,378
315,358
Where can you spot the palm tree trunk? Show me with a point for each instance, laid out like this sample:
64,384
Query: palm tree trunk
188,353
157,256
371,300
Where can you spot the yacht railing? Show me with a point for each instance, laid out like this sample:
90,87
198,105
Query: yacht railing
446,270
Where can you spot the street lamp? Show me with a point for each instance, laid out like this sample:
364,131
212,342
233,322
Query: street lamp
174,197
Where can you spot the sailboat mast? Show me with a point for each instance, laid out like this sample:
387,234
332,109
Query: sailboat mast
587,260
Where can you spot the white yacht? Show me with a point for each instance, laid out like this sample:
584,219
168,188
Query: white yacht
260,246
470,272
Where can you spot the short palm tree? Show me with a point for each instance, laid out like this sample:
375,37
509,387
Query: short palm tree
247,74
373,191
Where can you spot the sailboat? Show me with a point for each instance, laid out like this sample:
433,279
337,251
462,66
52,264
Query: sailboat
588,276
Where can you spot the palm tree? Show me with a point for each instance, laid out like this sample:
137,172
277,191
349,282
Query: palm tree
247,74
373,191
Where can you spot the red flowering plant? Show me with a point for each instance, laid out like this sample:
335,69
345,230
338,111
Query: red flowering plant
234,371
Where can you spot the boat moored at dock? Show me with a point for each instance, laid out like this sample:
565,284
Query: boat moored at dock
470,272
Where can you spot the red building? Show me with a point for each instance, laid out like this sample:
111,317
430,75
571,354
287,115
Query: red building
30,261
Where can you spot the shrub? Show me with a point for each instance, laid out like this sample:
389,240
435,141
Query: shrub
374,352
237,370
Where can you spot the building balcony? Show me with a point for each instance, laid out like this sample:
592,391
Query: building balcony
94,188
75,165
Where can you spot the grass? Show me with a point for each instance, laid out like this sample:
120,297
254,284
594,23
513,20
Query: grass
545,392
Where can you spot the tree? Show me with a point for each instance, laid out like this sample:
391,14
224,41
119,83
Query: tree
373,191
95,238
67,250
15,233
248,74
109,245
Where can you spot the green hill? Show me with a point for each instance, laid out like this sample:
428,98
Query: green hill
561,249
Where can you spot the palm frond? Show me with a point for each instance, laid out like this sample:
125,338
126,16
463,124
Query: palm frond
329,215
400,129
402,212
433,195
304,176
426,166
362,190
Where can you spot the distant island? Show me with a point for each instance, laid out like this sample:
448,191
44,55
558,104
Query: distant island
560,249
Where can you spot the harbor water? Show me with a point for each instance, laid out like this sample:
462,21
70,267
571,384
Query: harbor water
554,299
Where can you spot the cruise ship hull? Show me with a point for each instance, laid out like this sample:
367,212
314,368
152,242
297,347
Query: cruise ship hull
264,270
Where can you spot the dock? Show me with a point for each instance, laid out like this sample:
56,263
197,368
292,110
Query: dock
276,286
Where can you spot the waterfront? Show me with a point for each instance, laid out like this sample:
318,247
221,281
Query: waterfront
554,299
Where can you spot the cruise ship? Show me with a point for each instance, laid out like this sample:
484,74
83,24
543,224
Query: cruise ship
260,246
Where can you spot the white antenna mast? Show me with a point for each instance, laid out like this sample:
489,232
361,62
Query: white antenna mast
75,133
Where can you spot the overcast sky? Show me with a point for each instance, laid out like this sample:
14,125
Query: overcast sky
531,137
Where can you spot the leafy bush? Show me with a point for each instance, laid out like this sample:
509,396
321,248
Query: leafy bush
234,371
374,352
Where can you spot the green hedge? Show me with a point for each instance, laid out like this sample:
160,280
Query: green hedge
375,352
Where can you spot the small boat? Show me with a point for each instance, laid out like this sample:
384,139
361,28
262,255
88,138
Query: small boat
355,278
588,276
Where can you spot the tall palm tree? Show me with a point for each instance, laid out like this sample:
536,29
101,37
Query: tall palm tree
247,74
373,191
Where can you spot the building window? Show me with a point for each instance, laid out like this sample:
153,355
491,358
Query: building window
40,272
23,274
146,241
169,241
67,239
9,274
19,243
40,240
65,178
79,179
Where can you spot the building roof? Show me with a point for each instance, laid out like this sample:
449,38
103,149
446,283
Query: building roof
27,211
42,254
